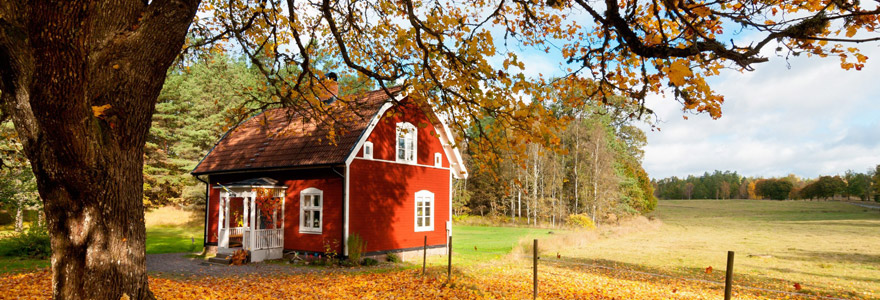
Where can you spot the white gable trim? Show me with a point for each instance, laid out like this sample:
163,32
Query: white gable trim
369,130
456,162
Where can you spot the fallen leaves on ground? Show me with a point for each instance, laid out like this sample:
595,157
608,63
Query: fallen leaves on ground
505,281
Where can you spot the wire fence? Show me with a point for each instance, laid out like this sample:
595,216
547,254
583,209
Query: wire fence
563,261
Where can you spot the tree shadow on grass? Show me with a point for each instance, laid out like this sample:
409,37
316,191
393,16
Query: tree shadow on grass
630,271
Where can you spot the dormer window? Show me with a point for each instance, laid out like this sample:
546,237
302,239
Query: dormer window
406,143
368,150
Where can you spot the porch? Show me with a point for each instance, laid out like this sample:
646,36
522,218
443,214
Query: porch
251,217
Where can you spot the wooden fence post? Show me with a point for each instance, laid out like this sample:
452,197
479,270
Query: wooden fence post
728,280
449,263
424,255
535,264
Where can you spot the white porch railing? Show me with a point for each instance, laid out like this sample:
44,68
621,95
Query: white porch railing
266,238
226,233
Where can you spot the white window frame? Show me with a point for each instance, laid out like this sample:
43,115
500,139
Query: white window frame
424,199
438,160
311,208
406,130
368,150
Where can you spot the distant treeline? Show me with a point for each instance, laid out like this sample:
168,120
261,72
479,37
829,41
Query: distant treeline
730,185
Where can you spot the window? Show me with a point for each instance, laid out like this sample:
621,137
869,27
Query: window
311,203
406,143
438,160
368,150
424,211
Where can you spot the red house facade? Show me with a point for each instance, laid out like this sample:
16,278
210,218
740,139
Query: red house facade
277,183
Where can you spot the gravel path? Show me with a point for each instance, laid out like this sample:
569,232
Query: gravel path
176,264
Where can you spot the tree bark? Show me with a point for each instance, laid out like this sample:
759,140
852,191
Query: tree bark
59,61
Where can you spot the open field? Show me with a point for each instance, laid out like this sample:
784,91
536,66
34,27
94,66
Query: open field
828,248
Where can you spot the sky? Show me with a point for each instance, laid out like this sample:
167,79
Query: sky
802,116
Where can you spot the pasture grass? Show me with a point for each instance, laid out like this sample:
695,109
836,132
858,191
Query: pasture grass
828,248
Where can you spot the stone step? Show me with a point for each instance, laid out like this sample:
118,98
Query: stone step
224,260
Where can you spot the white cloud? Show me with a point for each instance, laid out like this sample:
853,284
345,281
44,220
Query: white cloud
810,119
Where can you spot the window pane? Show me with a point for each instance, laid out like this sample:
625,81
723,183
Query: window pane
419,221
316,220
427,221
306,200
317,200
307,219
419,211
428,211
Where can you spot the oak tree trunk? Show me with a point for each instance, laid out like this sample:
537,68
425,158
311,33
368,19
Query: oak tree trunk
80,81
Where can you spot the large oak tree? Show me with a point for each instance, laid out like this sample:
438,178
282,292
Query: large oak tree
80,80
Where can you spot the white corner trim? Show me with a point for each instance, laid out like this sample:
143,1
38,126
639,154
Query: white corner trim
347,208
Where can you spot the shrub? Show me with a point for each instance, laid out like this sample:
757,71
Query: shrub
581,221
356,247
369,262
239,257
392,257
33,243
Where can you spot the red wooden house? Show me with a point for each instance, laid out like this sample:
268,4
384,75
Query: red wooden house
277,183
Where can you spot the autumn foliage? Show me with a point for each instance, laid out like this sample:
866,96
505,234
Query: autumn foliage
504,281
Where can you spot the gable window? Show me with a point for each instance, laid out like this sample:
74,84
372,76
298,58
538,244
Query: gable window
406,143
424,211
311,203
368,150
438,160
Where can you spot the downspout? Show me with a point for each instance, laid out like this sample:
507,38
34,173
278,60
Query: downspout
207,204
344,215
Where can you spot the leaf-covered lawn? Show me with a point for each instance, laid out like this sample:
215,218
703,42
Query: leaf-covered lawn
505,281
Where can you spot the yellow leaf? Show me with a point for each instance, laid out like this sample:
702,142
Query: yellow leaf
702,11
851,31
99,110
116,67
678,71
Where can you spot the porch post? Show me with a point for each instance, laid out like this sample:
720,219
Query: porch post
253,219
222,241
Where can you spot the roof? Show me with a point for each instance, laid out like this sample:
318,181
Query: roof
282,137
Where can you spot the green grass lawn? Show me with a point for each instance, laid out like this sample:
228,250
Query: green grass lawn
477,244
174,239
826,247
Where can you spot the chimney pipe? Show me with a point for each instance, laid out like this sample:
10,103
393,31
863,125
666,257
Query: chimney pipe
332,87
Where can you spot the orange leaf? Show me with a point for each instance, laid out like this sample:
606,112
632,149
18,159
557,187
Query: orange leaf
99,110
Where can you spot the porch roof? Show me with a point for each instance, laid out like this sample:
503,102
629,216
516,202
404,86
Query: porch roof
261,182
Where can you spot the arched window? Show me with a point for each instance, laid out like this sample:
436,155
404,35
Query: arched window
407,141
424,211
311,206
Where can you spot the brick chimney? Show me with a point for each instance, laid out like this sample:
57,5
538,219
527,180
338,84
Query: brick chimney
332,87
